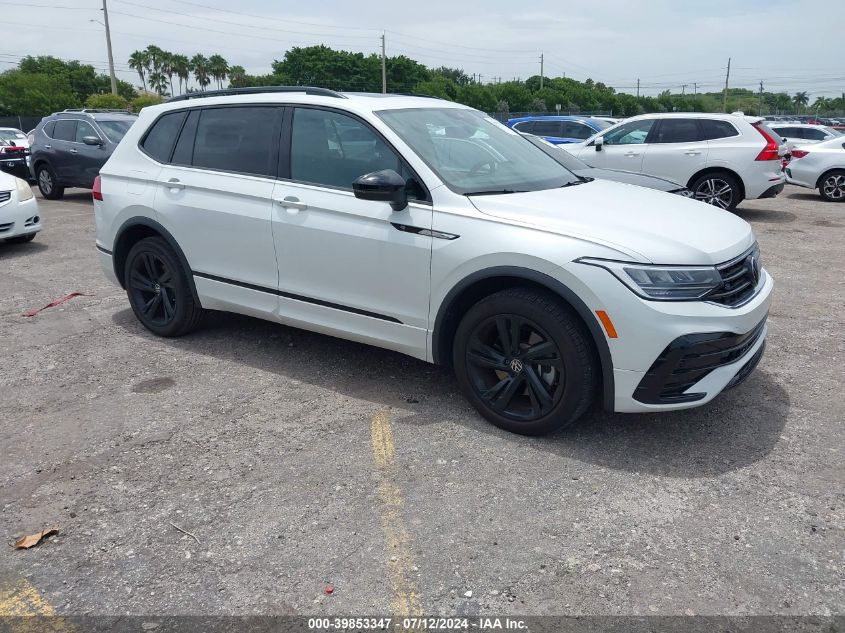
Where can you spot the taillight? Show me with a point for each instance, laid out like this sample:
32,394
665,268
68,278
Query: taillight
772,149
97,192
799,153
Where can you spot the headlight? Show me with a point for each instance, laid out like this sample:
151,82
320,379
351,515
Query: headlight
24,190
662,283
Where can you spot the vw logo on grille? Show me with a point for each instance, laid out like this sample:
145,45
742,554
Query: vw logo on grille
516,365
753,265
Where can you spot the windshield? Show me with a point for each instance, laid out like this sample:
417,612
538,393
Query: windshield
831,131
11,135
474,154
558,153
115,130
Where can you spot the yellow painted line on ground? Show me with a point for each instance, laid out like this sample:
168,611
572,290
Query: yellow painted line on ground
406,598
22,600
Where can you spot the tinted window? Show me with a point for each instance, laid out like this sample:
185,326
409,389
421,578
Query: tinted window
159,140
574,129
525,126
333,149
238,139
712,129
49,127
813,134
184,152
115,130
83,129
547,128
633,133
65,130
677,131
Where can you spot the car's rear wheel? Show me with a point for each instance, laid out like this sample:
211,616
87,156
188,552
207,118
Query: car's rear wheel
525,361
159,290
718,188
832,186
47,183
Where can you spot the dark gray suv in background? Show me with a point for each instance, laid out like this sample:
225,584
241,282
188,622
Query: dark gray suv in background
69,148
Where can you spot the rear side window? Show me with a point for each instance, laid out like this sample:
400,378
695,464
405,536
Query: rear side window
677,131
713,128
49,127
159,141
237,139
547,128
65,130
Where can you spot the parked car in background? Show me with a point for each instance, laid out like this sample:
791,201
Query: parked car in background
722,158
14,159
542,290
19,216
609,120
558,129
820,166
583,170
69,148
14,135
803,133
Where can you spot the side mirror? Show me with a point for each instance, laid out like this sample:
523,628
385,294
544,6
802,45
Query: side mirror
92,140
384,186
599,143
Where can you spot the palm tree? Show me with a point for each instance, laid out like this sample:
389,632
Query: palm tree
822,104
139,61
167,68
182,67
201,70
218,68
158,82
801,99
236,74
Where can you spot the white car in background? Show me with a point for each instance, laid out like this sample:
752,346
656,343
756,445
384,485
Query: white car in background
803,134
19,217
14,135
722,158
820,166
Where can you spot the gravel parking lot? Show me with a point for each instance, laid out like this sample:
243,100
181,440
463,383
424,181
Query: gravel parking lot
300,461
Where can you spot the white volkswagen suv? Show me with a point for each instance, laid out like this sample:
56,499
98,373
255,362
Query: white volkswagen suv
722,158
426,227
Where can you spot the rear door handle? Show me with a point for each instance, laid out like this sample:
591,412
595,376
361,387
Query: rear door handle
73,151
631,154
175,183
693,152
292,204
48,147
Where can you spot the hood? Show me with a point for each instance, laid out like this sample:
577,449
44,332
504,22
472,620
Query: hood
642,224
629,177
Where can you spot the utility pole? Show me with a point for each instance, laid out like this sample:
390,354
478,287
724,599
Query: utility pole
760,111
638,88
108,46
541,71
725,95
683,89
383,66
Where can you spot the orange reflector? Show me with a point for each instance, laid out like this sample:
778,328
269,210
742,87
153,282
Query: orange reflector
607,323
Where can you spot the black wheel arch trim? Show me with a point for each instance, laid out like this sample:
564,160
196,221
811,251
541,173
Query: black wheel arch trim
552,284
120,258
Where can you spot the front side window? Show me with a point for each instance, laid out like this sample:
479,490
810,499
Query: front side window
159,140
83,129
633,133
576,129
65,130
333,149
473,154
677,131
237,139
115,130
813,134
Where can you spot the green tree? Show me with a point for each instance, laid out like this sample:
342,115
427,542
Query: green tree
143,101
218,68
182,68
801,99
199,64
139,61
236,74
34,94
106,101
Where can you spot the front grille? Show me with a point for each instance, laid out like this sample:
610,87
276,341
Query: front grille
6,227
688,359
5,195
740,277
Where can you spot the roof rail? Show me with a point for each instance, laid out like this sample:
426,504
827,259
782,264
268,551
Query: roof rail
309,90
95,110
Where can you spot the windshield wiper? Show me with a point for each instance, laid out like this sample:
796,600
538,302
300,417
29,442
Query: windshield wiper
492,192
576,182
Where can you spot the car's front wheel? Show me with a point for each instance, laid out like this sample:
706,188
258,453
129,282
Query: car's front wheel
525,361
832,186
719,189
47,183
159,290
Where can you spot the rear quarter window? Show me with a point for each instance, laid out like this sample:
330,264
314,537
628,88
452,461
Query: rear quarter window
159,141
49,127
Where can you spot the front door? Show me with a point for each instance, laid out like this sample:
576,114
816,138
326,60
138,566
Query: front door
624,147
346,265
87,158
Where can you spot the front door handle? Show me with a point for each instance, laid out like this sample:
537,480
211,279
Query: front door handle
73,151
693,152
48,147
175,184
292,204
631,154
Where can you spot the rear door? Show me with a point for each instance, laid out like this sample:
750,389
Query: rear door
551,130
624,147
64,138
214,196
676,150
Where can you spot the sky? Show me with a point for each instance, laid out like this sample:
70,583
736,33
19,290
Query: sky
789,45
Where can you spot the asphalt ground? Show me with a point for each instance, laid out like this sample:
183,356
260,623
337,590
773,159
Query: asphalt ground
299,461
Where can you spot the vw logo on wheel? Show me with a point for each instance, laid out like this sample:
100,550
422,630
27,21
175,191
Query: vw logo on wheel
516,365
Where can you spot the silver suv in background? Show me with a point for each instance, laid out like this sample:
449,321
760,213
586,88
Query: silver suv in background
68,148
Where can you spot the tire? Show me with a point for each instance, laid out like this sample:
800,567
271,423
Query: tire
544,383
717,188
21,239
159,290
832,186
48,184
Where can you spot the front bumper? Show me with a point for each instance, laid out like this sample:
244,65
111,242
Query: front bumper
19,218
